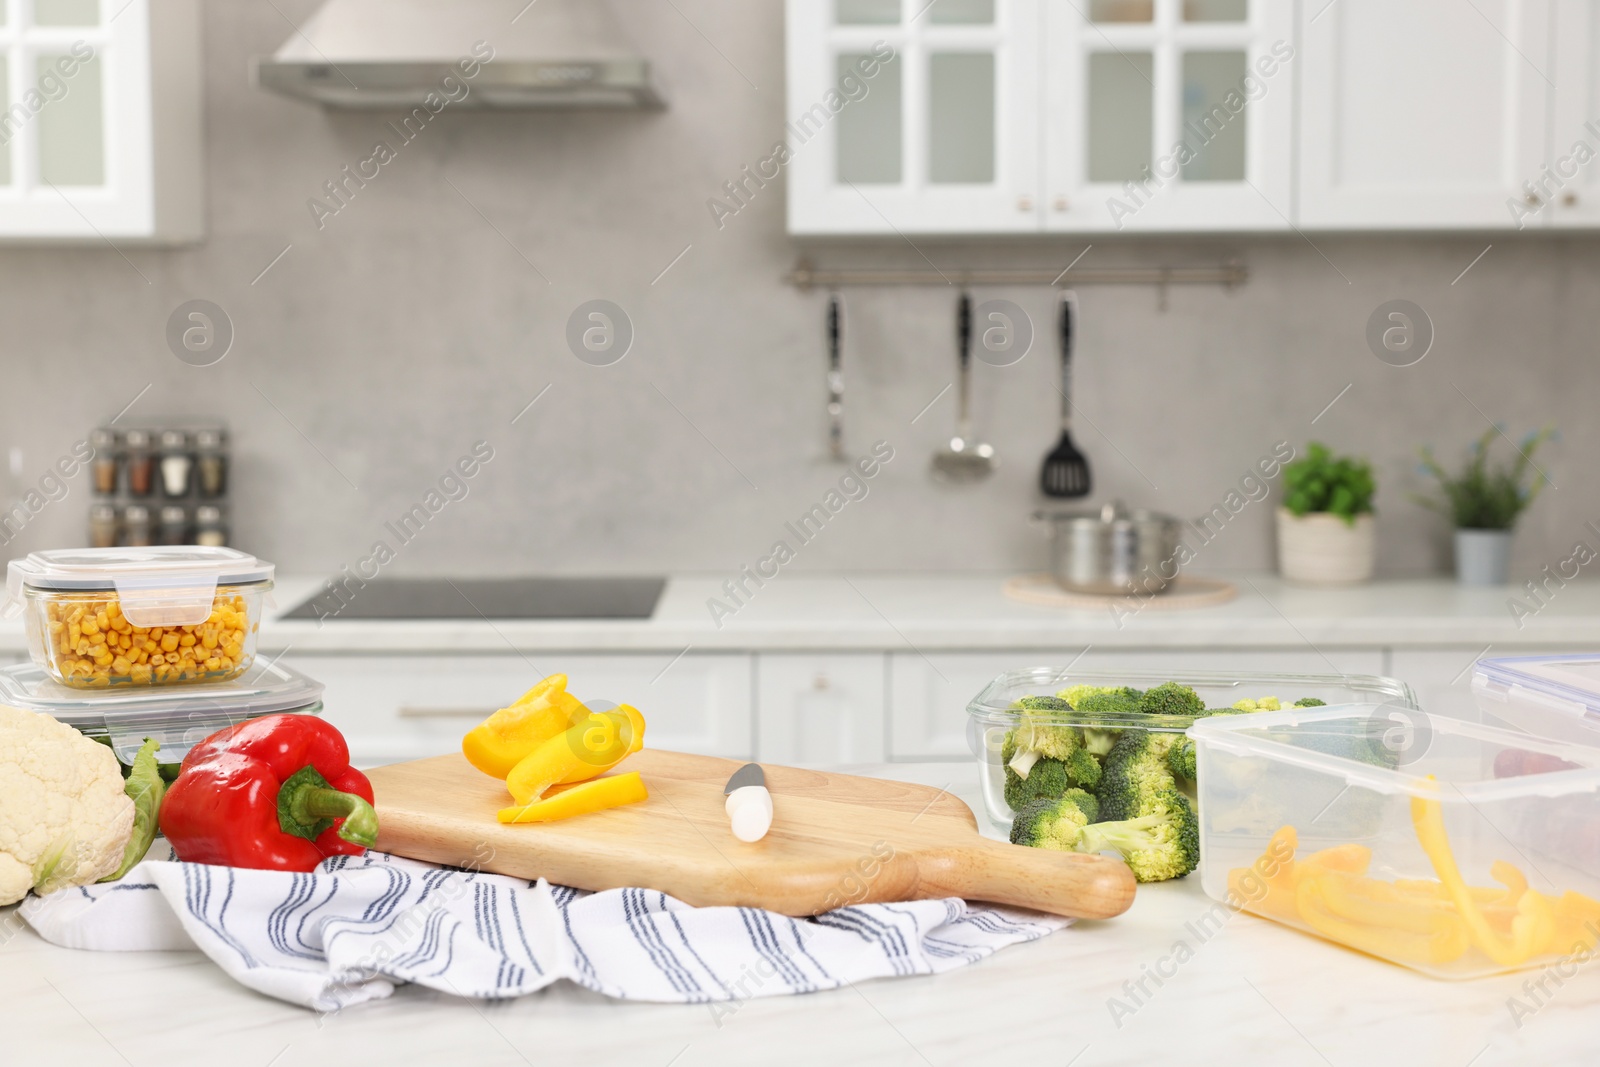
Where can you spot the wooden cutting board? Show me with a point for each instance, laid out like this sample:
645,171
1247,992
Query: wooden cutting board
836,839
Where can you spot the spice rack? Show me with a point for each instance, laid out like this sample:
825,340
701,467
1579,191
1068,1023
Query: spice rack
159,486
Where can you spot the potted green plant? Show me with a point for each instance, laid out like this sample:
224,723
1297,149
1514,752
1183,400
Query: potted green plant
1484,502
1325,523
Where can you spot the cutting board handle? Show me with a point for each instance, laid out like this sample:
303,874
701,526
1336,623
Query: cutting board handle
1061,883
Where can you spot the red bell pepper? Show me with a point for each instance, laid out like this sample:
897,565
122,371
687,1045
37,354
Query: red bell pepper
275,793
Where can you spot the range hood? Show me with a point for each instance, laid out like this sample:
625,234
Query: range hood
394,53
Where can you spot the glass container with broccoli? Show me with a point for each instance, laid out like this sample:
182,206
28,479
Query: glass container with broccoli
1040,733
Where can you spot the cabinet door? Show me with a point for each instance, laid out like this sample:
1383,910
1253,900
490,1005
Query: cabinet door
100,119
1168,115
909,116
409,707
1565,192
928,694
1417,114
825,708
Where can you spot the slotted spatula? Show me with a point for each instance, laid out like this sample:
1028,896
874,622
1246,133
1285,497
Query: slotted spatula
1066,470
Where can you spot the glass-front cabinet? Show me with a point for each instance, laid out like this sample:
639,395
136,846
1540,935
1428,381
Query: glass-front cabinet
1103,116
1168,114
914,116
99,120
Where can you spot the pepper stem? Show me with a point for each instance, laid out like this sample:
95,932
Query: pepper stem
308,805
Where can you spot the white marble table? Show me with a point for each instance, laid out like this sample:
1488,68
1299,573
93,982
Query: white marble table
1247,992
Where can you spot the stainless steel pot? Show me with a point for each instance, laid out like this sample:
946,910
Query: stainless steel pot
1111,551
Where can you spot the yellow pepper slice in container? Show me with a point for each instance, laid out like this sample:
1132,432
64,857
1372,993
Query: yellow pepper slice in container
594,795
1534,923
506,738
1444,940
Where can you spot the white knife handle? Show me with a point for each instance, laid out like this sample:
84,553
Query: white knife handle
750,810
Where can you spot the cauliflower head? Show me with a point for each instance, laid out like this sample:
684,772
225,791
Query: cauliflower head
65,819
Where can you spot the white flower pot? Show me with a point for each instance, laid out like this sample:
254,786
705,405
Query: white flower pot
1323,549
1483,557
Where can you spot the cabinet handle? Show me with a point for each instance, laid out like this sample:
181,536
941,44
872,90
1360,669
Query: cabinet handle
1532,200
820,681
1569,198
1061,203
1024,203
408,712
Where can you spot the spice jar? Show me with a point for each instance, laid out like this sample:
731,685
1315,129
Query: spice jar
141,464
103,526
209,529
177,464
212,461
103,468
174,529
136,526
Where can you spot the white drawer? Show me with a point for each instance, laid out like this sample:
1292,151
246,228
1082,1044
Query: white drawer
928,695
821,708
393,708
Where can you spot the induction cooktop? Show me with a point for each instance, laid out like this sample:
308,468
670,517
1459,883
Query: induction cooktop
484,598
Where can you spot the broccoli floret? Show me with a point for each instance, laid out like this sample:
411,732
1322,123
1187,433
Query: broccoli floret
1037,735
1049,778
1160,845
1180,761
1055,823
1099,742
1114,702
1310,702
1258,704
1171,698
1135,771
1094,702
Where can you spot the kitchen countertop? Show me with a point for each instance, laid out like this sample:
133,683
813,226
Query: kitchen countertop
944,612
1245,991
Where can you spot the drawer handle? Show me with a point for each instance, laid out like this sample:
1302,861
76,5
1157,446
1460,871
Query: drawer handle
407,712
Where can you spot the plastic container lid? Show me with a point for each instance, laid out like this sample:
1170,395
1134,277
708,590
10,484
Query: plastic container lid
177,716
1568,683
165,586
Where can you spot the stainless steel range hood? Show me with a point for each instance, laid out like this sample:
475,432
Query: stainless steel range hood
394,53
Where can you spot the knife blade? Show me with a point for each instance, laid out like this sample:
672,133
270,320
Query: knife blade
749,805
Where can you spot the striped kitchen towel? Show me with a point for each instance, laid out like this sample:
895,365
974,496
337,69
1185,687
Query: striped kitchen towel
358,926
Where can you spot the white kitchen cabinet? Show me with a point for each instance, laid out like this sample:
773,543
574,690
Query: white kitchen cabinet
393,708
100,128
906,116
821,708
1168,115
1416,114
1564,192
928,694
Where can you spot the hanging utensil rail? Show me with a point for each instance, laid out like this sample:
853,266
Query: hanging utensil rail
805,276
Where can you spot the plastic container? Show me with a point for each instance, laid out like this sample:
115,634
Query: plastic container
1549,696
992,713
175,614
1339,779
178,717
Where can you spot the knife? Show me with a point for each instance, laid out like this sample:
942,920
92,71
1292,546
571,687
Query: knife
749,805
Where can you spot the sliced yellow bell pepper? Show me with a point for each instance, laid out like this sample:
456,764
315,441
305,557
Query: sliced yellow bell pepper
1353,859
505,738
595,795
1534,923
585,750
591,769
1444,941
1375,903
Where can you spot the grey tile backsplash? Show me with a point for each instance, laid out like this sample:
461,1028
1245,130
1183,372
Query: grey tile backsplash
413,328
